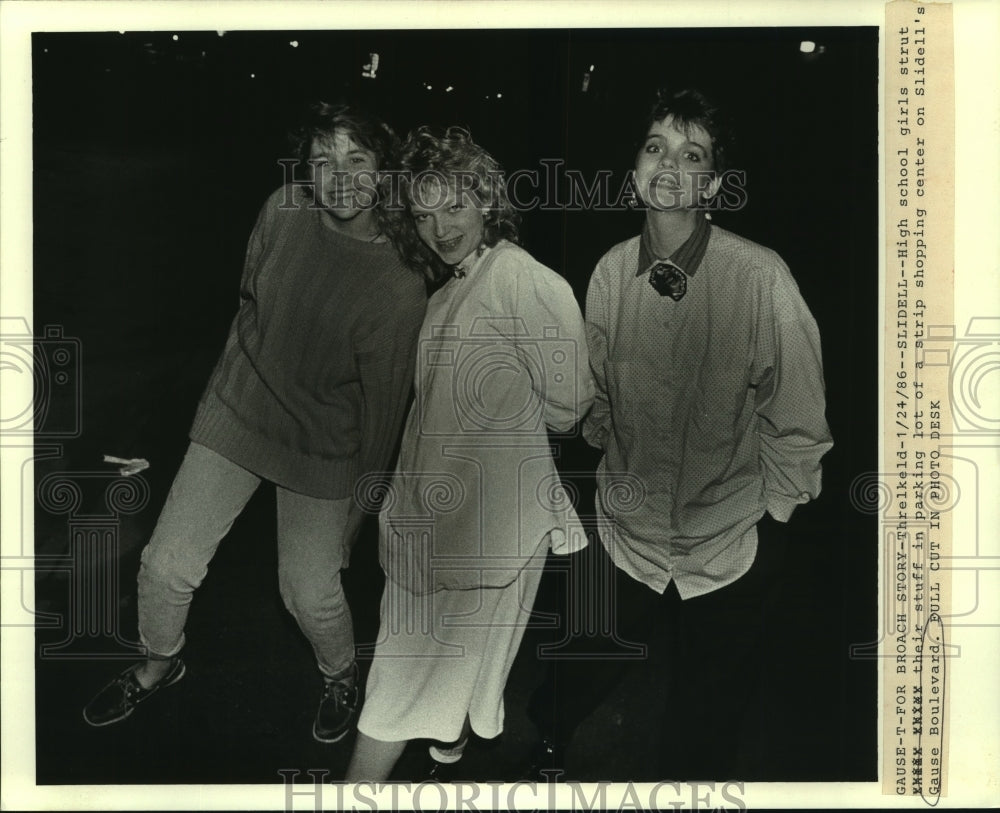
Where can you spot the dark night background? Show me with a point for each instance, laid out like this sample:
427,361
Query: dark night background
152,156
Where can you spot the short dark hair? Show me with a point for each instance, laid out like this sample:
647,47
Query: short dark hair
692,108
322,119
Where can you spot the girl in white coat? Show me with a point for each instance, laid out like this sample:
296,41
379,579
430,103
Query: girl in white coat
475,502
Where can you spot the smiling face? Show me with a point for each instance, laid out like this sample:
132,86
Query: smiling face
674,169
452,228
345,181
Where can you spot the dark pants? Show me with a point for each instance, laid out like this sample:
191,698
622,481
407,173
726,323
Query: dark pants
713,655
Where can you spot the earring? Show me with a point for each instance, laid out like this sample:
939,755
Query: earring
630,198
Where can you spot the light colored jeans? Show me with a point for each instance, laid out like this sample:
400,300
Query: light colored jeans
207,495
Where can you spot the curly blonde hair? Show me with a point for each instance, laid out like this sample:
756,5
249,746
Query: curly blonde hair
453,157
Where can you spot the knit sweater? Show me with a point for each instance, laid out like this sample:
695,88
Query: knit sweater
312,385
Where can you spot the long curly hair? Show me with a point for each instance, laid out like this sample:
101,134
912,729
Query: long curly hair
320,121
453,156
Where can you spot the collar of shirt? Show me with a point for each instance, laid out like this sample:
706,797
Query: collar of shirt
688,255
463,268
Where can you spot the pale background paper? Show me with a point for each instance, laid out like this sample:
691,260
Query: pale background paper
974,713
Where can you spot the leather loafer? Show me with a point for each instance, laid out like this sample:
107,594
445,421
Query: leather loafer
118,699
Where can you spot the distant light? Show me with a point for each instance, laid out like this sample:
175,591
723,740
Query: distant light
294,43
807,47
221,33
175,38
253,76
203,53
121,32
449,89
46,50
499,95
591,67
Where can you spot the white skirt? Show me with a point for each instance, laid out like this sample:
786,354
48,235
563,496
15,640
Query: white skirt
445,655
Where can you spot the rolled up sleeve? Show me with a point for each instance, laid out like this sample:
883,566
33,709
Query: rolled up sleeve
791,402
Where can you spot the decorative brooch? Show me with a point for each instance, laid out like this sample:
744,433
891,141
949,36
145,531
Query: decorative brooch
668,280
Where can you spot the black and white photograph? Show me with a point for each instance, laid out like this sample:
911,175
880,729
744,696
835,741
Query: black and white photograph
436,403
